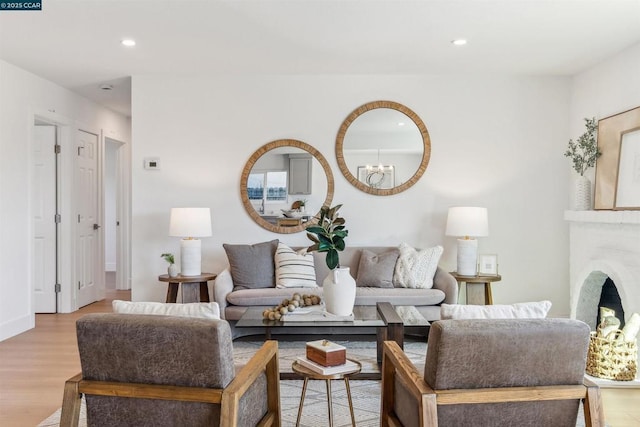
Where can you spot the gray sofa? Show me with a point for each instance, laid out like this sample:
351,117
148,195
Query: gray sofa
233,303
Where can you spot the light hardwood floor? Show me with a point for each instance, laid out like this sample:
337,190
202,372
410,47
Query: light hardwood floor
34,366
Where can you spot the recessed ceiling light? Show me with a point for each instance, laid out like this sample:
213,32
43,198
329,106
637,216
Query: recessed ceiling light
459,42
129,42
400,123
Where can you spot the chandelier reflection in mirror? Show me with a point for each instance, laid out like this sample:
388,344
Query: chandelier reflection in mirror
380,176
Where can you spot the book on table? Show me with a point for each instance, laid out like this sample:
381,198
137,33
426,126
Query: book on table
348,367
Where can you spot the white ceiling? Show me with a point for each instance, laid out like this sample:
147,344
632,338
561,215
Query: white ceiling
76,43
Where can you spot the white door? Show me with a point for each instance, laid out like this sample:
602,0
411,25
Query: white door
43,202
88,268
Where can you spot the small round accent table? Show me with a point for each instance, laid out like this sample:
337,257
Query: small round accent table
190,287
474,287
308,374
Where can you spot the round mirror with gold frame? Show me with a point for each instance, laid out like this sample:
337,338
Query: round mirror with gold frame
284,184
383,148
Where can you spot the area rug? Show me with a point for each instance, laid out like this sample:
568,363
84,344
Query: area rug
365,393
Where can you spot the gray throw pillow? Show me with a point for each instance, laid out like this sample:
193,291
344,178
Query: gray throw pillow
252,266
376,270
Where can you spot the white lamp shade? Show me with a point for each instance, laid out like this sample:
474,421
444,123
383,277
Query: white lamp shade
190,222
467,221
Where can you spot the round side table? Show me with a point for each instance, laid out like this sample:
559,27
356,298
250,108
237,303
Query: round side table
308,374
190,287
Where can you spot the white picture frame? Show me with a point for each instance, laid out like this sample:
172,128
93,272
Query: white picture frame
488,265
628,185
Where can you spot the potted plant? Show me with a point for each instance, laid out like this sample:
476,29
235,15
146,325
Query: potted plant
173,268
300,205
583,154
327,235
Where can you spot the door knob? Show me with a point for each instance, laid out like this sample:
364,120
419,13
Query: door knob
96,226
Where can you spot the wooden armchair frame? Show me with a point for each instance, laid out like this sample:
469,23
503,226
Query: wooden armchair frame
265,360
396,364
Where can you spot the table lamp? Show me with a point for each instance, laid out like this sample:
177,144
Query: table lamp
467,222
190,223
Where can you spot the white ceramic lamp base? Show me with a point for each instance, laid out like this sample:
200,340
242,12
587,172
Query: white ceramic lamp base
190,257
467,257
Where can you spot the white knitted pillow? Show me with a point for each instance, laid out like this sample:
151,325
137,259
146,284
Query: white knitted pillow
207,310
415,269
294,269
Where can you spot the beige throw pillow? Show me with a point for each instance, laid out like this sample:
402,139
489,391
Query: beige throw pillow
251,266
414,268
206,310
376,270
523,310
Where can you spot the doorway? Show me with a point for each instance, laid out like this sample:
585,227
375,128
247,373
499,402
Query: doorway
114,215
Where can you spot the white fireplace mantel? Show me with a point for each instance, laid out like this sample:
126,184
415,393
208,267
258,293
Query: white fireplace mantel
603,217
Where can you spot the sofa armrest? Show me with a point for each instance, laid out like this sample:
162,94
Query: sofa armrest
222,286
448,284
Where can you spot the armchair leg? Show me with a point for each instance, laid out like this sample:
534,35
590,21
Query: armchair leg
593,409
71,402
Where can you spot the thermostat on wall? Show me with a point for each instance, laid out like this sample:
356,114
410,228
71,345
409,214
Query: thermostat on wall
152,163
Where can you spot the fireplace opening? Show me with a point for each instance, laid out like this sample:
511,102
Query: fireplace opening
610,298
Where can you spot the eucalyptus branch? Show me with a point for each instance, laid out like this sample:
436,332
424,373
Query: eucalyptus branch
584,151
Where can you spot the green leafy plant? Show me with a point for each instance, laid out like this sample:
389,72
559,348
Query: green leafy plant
328,235
584,151
169,258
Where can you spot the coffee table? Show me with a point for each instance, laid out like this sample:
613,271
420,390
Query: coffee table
390,323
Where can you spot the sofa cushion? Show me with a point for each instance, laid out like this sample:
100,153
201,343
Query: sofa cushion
206,310
376,270
523,310
267,297
294,269
416,268
252,266
397,296
364,296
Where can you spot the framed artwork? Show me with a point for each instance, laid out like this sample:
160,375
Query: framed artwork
488,265
377,177
628,185
611,131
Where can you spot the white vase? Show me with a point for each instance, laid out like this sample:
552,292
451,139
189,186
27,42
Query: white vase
339,292
173,270
582,194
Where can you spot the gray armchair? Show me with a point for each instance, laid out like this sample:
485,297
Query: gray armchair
527,372
140,370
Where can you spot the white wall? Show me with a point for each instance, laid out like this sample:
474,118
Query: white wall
23,95
604,90
497,142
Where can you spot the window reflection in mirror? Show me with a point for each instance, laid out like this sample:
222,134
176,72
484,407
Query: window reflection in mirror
383,148
281,175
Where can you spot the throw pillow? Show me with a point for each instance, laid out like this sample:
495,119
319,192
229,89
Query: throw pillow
294,269
251,266
415,269
376,270
206,310
523,310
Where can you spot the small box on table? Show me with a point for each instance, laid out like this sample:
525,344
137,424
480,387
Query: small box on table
326,353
